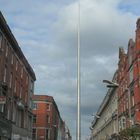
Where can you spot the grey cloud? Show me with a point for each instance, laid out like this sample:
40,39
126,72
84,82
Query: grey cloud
48,37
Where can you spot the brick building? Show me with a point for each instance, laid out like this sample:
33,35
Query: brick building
127,94
16,88
129,83
47,122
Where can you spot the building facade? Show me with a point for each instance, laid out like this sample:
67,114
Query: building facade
67,133
129,83
126,94
47,122
104,125
16,88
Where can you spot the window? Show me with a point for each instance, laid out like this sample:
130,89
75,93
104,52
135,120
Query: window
127,104
12,59
5,74
20,92
7,46
34,133
124,106
34,118
27,80
8,114
0,40
21,72
19,119
123,123
2,106
29,122
133,101
23,119
32,86
47,134
15,88
48,106
120,126
48,119
11,79
34,106
26,97
14,113
16,64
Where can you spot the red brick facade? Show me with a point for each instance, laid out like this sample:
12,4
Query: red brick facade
129,83
18,77
47,123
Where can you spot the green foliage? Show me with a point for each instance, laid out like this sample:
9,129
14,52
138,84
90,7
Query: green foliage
130,133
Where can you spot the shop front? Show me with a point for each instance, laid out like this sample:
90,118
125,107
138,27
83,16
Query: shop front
5,128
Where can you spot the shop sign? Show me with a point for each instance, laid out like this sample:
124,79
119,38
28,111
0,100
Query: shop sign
16,137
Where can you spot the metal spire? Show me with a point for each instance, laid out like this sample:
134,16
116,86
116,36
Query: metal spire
78,77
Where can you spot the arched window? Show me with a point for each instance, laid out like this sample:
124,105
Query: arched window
123,122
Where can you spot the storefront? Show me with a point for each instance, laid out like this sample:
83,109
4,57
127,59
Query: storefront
20,133
5,129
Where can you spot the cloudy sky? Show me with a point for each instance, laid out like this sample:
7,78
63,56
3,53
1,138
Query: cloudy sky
47,33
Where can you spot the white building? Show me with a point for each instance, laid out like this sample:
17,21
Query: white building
105,123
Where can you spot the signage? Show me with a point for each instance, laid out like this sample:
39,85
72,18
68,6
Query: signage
16,136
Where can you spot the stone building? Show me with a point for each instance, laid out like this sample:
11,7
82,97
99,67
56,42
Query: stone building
127,94
104,125
67,134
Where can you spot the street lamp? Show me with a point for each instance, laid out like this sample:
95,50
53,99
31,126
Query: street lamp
97,116
91,128
54,125
111,84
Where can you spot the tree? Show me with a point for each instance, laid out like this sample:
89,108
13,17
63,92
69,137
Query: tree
130,133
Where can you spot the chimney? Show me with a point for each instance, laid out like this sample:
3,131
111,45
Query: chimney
138,23
121,52
138,35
